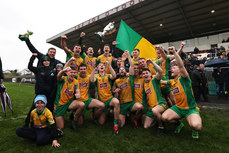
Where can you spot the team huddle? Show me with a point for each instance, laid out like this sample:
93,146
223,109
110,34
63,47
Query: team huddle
124,86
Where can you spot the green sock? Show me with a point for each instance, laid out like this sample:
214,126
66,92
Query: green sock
195,134
116,122
179,127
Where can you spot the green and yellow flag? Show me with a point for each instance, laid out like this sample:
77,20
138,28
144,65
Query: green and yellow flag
128,39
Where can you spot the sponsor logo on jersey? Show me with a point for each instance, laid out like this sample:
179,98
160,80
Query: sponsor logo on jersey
89,63
137,86
123,85
83,85
103,85
176,90
70,93
148,91
74,65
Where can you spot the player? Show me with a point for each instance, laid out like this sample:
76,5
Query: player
75,53
124,87
185,101
68,95
103,83
155,104
84,84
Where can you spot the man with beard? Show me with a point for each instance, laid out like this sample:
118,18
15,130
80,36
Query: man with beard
84,84
155,104
143,65
135,54
185,101
118,66
103,83
124,87
138,85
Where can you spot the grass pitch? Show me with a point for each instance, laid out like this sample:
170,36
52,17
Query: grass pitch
91,138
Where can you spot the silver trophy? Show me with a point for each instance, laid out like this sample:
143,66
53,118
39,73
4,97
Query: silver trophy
109,29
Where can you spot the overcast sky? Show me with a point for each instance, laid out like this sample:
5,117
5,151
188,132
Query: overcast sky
45,18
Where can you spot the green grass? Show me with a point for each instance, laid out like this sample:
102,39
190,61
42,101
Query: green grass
99,139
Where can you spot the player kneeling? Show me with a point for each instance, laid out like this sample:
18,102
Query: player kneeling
103,83
84,85
124,90
185,101
155,105
67,97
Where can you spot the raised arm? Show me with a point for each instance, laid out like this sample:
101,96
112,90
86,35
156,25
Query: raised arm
92,77
60,76
69,62
32,48
63,44
180,64
30,65
178,52
131,70
157,67
162,52
82,34
114,50
113,74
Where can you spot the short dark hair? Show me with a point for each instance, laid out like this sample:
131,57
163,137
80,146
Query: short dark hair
51,48
142,58
73,68
106,45
99,63
82,65
137,50
77,45
145,69
136,64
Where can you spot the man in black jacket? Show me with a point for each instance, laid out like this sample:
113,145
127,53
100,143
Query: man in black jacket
199,83
218,75
203,85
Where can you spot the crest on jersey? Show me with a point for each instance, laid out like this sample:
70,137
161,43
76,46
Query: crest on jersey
176,90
